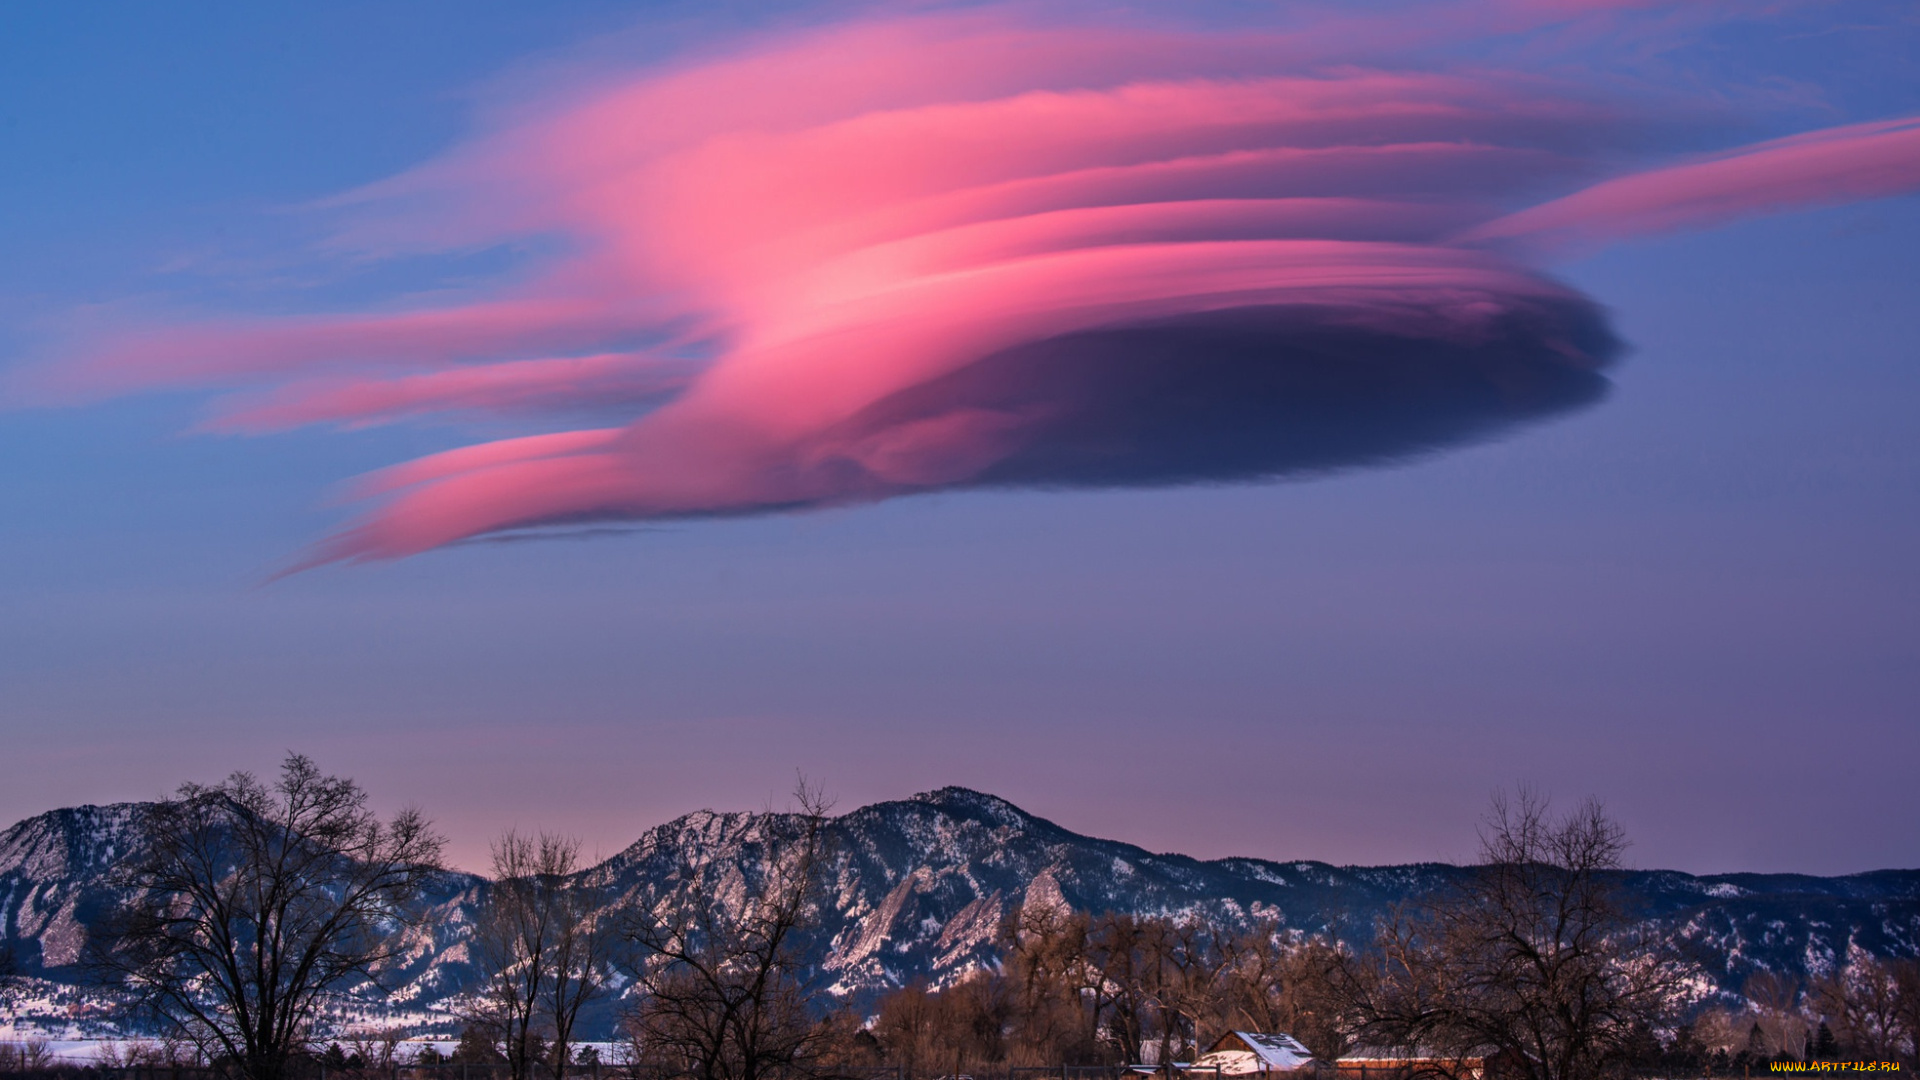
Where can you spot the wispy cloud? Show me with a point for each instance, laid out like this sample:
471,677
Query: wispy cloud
1839,165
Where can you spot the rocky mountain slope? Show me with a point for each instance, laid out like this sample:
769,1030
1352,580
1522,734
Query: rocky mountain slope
918,887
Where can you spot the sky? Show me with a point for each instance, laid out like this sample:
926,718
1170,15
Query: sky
1267,430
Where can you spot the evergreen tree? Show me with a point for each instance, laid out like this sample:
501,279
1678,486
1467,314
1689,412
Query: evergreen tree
476,1047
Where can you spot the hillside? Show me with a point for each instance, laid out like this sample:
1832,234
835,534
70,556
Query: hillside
919,885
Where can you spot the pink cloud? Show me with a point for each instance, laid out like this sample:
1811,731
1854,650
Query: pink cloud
1837,165
801,419
469,459
903,254
504,387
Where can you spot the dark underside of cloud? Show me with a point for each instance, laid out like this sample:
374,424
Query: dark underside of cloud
1257,393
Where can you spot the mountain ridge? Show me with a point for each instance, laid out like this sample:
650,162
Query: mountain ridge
916,889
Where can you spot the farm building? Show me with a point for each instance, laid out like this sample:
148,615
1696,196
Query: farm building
1251,1053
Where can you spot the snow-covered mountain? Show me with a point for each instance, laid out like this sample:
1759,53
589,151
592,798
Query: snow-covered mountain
919,886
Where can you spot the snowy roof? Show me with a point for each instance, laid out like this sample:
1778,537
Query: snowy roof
1243,1052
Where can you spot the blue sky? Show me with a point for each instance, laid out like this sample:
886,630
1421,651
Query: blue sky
1697,600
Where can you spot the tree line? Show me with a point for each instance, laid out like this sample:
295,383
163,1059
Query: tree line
251,907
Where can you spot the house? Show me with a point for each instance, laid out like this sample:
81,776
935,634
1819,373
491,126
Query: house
1253,1053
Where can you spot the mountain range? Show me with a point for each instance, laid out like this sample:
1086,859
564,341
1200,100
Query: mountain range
918,888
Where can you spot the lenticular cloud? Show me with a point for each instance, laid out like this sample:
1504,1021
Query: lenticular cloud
953,251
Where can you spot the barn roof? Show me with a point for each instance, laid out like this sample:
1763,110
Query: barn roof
1256,1051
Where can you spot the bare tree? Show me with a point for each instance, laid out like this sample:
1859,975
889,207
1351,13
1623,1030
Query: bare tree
1182,972
581,961
950,1032
377,1048
1532,957
1051,988
1776,998
723,986
1269,983
544,948
907,1026
1074,989
1116,953
511,945
1906,983
1868,1007
247,904
29,1055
